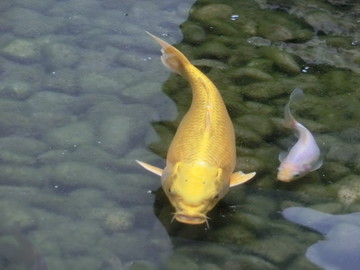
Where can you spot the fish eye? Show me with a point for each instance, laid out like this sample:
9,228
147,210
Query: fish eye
296,174
216,197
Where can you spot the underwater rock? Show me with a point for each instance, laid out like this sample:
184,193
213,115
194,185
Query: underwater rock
15,215
17,90
275,32
341,152
247,74
48,102
71,174
63,80
145,92
276,248
70,136
177,261
349,190
27,23
22,145
59,55
98,83
213,11
112,219
22,51
282,59
248,262
18,175
76,237
193,33
340,249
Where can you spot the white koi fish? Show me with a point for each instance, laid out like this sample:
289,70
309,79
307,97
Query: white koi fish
304,156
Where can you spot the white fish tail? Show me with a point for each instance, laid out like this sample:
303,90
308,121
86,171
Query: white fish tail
289,120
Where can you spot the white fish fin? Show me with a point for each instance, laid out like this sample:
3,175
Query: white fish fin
317,165
171,57
239,177
282,155
150,168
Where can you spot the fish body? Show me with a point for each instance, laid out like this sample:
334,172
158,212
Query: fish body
304,156
202,155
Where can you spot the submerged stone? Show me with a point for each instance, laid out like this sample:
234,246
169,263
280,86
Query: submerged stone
282,59
21,50
58,55
70,136
213,11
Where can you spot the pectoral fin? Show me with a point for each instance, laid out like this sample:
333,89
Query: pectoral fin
239,177
317,165
150,168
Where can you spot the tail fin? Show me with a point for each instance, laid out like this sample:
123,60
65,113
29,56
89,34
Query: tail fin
171,57
289,119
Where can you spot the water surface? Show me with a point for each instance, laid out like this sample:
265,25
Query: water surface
83,94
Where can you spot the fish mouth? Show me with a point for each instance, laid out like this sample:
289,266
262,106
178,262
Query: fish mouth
283,177
191,219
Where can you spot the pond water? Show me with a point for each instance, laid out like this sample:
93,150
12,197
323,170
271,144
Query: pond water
83,94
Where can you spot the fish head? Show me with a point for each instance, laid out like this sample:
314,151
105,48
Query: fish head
289,171
193,190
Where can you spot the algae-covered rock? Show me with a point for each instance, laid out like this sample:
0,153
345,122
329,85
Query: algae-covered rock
98,83
78,174
27,23
76,237
127,246
277,249
214,49
143,91
70,136
283,60
63,80
275,32
260,124
16,89
233,234
58,55
213,11
193,33
179,261
248,74
142,265
47,101
341,152
21,50
116,134
112,219
250,262
349,190
15,215
84,262
23,145
19,175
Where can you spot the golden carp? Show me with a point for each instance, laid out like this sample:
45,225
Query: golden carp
202,156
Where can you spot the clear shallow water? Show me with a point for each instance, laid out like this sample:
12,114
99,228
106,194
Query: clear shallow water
82,96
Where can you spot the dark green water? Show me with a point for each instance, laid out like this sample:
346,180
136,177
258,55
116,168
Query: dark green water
83,94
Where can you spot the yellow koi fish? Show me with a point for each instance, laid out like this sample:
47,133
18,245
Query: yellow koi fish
202,156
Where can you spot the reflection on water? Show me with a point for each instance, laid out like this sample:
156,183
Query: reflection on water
341,248
81,98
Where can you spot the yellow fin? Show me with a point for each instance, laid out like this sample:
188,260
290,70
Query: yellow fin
171,57
150,168
239,177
